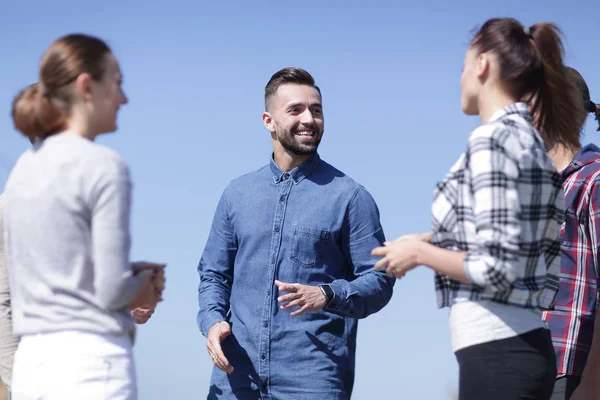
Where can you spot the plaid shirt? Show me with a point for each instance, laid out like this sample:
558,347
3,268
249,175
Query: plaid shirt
572,321
502,203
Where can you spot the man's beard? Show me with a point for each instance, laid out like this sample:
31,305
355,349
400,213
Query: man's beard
289,143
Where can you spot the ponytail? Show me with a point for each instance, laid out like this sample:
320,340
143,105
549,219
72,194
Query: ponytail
595,109
531,66
35,115
554,101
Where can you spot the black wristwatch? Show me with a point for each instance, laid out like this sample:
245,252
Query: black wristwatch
327,292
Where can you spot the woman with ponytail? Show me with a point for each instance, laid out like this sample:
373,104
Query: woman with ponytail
494,244
574,322
66,218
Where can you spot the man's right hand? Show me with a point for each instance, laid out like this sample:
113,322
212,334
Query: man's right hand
216,334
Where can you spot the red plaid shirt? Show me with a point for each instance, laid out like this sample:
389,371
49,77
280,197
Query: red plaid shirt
572,321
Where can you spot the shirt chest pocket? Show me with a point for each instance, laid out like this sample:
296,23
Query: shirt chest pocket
309,245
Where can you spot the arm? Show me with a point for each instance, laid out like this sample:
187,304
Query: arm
446,262
216,270
370,291
496,207
114,279
589,377
410,251
8,342
493,183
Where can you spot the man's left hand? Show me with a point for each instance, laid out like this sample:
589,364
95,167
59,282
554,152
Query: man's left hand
308,298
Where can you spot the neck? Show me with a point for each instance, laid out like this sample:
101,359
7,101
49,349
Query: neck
562,156
81,126
492,102
287,161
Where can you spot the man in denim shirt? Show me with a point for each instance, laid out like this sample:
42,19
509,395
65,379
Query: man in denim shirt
287,270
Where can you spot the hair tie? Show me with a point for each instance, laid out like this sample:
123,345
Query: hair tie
592,107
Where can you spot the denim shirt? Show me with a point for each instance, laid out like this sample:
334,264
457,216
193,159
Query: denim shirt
313,226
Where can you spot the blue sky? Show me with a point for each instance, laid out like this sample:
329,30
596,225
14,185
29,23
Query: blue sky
195,73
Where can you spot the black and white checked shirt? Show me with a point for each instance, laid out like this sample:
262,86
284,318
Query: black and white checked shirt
502,203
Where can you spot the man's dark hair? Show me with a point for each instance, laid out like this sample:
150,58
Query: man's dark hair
294,75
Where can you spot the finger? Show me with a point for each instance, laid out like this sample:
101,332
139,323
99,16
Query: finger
213,358
140,320
211,355
286,287
391,272
219,358
296,303
142,312
219,351
380,251
381,264
289,297
216,361
300,311
211,350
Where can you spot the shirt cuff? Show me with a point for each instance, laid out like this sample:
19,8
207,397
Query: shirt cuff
209,320
339,294
474,268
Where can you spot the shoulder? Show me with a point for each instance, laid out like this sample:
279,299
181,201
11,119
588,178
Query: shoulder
343,184
81,155
106,158
590,175
241,186
512,138
496,133
244,181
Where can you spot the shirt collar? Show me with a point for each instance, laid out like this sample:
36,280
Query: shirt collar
297,174
588,154
520,108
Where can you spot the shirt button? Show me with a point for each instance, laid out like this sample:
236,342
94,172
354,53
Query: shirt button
262,357
265,324
264,386
273,260
282,198
277,229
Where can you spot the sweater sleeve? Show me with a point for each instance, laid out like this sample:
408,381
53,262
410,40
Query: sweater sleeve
114,281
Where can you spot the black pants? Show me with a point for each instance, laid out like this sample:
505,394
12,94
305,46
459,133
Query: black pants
565,386
517,368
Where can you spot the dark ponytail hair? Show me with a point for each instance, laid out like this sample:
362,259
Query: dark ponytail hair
531,65
41,109
595,108
588,106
